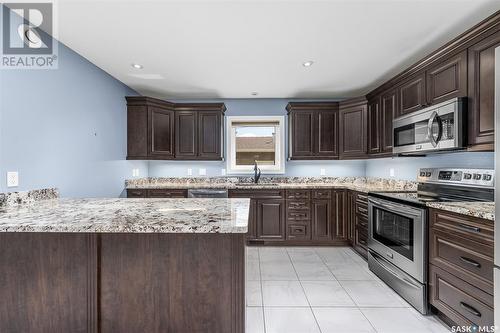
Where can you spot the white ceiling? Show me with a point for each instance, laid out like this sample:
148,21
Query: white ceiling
228,49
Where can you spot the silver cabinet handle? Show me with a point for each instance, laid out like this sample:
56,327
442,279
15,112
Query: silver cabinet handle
470,262
470,309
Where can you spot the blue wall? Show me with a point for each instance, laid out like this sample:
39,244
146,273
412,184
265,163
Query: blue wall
65,128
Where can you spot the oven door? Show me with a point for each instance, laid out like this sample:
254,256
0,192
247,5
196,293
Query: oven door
396,232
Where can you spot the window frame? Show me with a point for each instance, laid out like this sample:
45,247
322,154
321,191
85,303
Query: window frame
278,168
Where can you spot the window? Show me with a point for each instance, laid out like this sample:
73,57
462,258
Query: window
253,139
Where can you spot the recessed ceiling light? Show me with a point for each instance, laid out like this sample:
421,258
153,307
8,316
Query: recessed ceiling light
307,63
254,93
137,66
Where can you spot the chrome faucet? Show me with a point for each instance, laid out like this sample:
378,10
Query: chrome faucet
256,171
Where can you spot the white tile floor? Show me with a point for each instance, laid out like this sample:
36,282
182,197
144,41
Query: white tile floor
323,290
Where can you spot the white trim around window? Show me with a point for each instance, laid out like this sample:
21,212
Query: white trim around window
278,167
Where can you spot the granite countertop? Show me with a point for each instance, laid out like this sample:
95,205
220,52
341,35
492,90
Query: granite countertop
484,210
128,216
360,184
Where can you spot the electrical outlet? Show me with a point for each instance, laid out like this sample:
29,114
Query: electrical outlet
223,172
12,179
190,171
391,172
322,172
202,172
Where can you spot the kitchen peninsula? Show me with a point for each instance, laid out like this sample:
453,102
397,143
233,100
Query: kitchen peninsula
123,265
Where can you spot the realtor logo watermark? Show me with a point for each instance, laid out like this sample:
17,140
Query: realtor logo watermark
27,36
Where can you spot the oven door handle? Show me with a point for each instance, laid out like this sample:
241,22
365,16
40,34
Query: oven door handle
397,275
395,207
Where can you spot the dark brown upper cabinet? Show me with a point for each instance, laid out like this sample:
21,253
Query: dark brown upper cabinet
353,128
199,131
150,128
388,105
313,130
481,68
162,130
411,94
374,126
447,79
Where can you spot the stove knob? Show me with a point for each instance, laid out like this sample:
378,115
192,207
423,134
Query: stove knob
487,177
467,176
422,173
477,176
427,174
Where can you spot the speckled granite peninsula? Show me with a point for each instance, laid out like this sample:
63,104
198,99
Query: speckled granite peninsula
128,216
90,264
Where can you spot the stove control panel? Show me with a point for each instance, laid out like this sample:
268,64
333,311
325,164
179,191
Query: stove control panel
471,177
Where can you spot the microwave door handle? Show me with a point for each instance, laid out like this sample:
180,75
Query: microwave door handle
430,131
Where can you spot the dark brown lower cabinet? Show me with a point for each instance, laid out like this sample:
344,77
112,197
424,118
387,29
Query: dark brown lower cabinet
89,283
270,219
461,268
360,213
321,219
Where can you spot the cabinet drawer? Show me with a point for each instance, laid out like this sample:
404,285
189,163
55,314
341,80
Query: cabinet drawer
362,198
463,303
167,193
298,205
298,194
361,209
470,260
361,222
299,215
136,193
298,231
258,194
322,194
472,228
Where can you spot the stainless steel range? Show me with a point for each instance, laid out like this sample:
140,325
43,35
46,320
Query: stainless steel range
397,226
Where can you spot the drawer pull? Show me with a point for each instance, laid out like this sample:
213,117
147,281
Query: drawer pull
468,227
470,262
470,309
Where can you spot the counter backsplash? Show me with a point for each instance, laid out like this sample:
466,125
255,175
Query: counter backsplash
26,197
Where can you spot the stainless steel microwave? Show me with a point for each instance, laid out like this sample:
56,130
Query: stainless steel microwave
439,127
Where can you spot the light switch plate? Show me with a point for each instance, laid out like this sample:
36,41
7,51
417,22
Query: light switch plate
391,172
202,172
12,179
322,172
135,172
190,172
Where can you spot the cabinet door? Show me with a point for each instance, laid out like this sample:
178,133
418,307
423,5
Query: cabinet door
374,127
447,79
353,130
210,135
388,113
270,219
161,133
481,93
411,94
302,131
327,134
340,224
186,133
137,132
321,219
